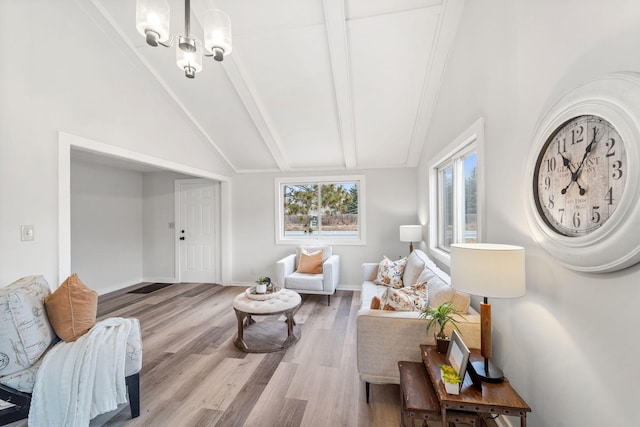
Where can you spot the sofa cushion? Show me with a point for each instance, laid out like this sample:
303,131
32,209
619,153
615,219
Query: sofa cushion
310,263
304,282
72,309
413,268
441,292
390,272
410,298
25,332
23,380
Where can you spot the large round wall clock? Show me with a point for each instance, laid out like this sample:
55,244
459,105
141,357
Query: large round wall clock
583,176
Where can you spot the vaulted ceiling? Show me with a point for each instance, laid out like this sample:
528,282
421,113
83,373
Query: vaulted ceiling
310,84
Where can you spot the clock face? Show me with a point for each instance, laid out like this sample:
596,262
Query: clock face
580,175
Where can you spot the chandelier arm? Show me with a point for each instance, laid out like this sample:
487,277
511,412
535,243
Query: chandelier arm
170,42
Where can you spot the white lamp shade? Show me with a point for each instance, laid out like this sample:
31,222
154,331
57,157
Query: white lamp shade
153,15
410,233
488,270
217,31
189,59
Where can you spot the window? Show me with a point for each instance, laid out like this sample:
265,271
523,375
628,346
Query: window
455,193
327,209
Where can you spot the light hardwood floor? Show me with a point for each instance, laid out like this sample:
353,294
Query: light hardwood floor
193,375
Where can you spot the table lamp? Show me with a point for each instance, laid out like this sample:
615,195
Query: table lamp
410,233
488,270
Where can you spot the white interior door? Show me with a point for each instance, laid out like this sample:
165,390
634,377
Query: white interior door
197,230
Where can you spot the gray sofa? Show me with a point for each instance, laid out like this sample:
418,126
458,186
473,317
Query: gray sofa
386,337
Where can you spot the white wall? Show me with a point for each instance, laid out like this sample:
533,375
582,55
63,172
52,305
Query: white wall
390,202
65,74
120,232
106,226
558,344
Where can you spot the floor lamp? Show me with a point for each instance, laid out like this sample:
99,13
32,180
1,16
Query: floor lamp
488,270
410,233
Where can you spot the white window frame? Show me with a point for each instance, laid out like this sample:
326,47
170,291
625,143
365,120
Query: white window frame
470,140
279,209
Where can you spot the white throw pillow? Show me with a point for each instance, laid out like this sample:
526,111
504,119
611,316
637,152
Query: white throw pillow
390,272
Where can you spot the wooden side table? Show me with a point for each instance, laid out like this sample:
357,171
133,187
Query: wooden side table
495,399
418,400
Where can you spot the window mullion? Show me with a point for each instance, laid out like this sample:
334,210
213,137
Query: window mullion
458,185
319,213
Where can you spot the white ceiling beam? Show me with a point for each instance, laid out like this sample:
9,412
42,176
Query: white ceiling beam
250,101
256,111
448,22
339,53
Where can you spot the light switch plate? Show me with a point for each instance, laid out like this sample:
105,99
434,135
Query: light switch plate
26,232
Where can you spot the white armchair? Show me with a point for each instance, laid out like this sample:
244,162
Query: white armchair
323,283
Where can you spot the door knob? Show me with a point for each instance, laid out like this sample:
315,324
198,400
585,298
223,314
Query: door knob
182,238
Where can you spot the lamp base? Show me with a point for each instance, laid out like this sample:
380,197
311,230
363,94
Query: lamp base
487,371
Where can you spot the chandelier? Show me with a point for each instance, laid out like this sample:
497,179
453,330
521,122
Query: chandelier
152,21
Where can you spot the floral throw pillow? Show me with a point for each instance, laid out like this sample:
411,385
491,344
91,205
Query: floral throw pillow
390,272
414,298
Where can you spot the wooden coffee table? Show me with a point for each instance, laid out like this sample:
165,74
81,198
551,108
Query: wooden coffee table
266,336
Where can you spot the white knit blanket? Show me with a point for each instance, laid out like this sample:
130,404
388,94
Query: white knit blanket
80,380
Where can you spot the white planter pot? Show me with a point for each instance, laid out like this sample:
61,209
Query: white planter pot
261,288
451,388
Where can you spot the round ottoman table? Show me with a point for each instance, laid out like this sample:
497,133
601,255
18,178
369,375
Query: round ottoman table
263,337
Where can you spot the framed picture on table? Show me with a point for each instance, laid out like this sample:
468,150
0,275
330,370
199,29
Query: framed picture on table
458,354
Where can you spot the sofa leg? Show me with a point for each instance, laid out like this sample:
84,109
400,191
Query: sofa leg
328,300
133,389
366,390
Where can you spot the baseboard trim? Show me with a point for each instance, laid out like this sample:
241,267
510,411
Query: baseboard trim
348,287
159,279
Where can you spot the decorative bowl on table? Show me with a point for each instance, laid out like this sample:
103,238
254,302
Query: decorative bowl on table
251,292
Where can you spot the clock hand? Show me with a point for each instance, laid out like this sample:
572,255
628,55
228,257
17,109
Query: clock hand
587,151
567,164
578,171
574,176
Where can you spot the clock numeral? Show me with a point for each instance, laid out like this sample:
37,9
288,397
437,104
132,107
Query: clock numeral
551,164
576,219
617,169
547,182
595,215
610,144
562,145
577,135
551,202
609,196
561,211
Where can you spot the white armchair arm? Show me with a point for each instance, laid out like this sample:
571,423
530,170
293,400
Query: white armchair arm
331,272
285,267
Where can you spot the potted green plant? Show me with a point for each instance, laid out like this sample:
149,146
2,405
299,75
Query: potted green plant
441,316
450,378
262,282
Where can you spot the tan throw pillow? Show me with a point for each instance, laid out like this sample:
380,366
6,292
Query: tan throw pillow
310,263
72,309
